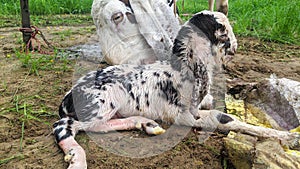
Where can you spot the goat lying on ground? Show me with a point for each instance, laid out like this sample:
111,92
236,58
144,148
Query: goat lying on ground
135,31
128,97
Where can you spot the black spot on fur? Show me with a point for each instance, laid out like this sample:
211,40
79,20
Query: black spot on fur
191,54
141,74
143,82
128,86
56,133
131,95
156,74
102,101
68,106
70,122
137,100
112,105
223,118
68,131
167,74
56,124
68,134
149,124
207,24
179,47
170,93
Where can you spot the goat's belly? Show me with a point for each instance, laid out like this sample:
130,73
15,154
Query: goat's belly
167,113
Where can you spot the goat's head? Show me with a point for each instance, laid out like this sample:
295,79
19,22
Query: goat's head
111,12
218,30
119,35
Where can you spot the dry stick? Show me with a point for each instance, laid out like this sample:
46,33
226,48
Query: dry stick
15,93
23,125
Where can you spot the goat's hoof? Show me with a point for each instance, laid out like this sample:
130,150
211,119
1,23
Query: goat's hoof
76,158
158,130
153,129
138,125
69,156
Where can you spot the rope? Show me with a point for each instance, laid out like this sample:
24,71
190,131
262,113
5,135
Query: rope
34,31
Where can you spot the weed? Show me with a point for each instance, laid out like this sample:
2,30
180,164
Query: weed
6,160
3,88
37,62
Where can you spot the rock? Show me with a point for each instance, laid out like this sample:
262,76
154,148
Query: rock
290,90
278,98
273,103
249,153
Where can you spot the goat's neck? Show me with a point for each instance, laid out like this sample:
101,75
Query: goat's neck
195,62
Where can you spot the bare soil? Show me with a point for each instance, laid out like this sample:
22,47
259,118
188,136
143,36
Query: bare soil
254,61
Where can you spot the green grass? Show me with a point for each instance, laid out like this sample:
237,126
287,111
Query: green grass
271,20
268,20
47,7
37,62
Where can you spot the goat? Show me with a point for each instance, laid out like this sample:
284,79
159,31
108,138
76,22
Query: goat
135,32
125,97
222,6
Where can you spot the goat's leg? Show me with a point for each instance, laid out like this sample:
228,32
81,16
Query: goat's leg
214,119
207,102
211,4
129,123
64,131
222,6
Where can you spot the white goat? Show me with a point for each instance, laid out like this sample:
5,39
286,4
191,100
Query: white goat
125,97
135,31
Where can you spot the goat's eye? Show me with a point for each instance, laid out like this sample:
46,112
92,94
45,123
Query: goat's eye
117,18
223,38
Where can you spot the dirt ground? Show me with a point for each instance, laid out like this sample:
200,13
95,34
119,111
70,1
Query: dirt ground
41,94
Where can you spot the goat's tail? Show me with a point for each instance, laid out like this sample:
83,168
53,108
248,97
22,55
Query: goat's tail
64,131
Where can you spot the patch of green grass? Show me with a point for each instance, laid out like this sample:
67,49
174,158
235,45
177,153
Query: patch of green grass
6,160
47,7
26,110
48,20
268,20
36,62
26,113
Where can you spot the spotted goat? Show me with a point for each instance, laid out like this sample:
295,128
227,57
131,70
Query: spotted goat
126,97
